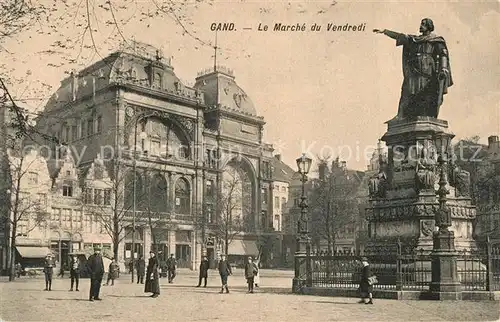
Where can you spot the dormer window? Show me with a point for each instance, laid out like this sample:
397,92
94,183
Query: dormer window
67,188
157,80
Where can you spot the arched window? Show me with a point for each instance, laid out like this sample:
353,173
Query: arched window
158,194
182,197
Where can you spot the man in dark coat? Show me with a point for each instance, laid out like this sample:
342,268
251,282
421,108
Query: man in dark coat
365,287
224,272
171,266
140,268
250,272
96,271
152,276
203,271
113,271
74,272
48,270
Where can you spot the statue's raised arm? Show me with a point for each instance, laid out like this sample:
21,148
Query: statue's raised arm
426,71
392,34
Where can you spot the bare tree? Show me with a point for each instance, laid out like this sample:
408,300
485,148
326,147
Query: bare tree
231,209
17,16
24,210
113,209
333,206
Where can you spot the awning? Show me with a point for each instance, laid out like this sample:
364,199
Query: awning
243,247
33,251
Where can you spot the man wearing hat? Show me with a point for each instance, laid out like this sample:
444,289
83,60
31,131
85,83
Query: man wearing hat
48,270
96,269
152,276
250,272
224,272
204,265
171,267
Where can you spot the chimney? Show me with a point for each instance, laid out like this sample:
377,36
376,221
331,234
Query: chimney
493,142
278,156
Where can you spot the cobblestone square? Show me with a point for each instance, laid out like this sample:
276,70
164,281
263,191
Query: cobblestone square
24,300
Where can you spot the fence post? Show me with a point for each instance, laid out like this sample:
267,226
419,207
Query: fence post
398,267
489,264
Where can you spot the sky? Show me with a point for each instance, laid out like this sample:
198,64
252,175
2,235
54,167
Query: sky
320,92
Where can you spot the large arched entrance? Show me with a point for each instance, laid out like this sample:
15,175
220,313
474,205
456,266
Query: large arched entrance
238,194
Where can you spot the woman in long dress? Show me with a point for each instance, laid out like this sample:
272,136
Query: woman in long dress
152,276
365,287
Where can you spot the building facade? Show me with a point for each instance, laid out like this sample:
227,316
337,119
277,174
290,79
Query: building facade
130,111
488,192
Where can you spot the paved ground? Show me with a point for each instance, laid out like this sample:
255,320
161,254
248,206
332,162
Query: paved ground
24,300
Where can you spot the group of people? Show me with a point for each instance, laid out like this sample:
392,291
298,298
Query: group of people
95,266
251,273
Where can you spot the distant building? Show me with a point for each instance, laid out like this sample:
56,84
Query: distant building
488,192
186,140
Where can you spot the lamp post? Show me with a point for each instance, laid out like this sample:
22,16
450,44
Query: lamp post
445,284
134,189
303,251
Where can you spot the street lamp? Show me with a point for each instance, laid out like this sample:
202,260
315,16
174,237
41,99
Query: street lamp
134,189
303,251
304,165
444,283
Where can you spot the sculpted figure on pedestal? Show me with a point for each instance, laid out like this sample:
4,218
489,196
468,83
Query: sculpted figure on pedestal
460,179
425,170
426,71
378,183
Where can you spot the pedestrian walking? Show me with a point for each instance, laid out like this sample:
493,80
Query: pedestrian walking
366,283
130,267
250,272
203,271
224,272
19,269
96,270
140,268
152,276
171,267
48,270
74,272
256,279
113,271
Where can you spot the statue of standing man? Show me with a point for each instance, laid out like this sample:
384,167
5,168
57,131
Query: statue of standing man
426,71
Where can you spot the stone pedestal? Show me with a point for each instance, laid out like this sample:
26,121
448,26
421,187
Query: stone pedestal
404,204
303,272
445,284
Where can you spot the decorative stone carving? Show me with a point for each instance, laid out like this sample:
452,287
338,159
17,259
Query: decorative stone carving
377,186
187,123
460,179
426,210
425,170
427,227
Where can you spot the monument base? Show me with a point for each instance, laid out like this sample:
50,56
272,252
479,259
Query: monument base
403,203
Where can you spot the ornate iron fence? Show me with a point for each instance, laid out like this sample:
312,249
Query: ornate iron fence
403,269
